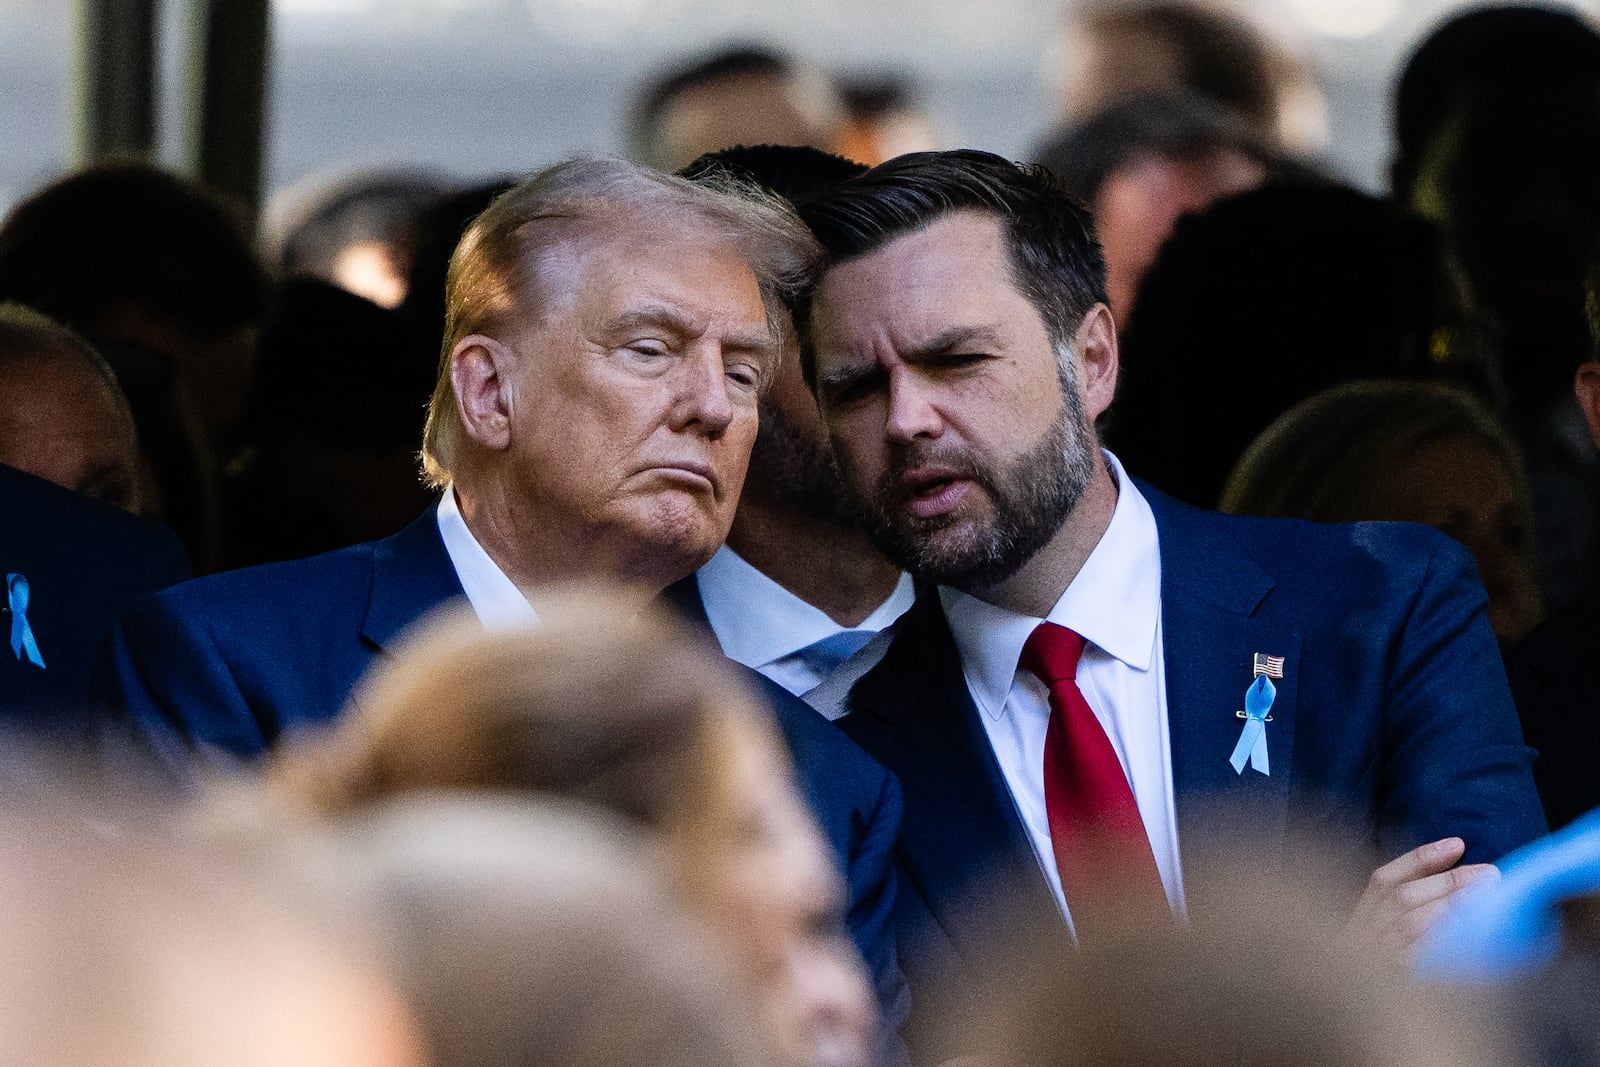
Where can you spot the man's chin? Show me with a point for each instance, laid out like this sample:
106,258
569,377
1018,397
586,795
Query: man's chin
950,552
673,540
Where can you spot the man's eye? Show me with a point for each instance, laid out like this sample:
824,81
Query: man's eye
962,359
854,391
745,375
847,394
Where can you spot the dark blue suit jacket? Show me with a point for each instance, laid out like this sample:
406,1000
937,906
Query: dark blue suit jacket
84,562
233,661
1393,726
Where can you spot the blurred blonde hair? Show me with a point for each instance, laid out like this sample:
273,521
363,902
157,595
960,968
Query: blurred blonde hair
1260,973
602,702
1325,458
133,931
529,930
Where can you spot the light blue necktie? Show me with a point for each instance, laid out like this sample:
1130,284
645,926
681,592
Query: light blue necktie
824,656
22,640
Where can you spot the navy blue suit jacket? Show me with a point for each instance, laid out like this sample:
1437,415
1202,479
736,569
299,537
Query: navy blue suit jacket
1393,726
84,562
233,661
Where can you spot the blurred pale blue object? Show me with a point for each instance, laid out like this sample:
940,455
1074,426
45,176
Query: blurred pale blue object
1511,929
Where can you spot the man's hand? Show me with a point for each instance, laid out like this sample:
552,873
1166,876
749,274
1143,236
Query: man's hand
1406,896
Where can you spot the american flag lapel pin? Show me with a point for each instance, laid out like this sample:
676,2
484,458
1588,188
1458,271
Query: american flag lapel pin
1271,666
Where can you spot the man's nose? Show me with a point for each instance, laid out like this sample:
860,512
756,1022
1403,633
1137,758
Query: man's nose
912,413
703,401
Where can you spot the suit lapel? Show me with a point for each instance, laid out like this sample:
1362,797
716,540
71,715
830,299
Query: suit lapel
411,575
1210,589
962,840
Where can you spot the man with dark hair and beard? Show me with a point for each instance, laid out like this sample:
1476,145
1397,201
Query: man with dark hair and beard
799,587
1100,687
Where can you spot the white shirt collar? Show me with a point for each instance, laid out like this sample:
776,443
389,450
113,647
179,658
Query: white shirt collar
1114,602
758,621
496,599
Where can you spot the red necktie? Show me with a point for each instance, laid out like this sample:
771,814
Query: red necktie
1102,852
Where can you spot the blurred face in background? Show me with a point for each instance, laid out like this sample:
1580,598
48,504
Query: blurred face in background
1096,67
1461,487
61,422
1140,202
759,873
748,109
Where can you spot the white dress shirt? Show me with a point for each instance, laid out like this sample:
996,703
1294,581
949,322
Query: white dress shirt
1115,604
762,625
495,598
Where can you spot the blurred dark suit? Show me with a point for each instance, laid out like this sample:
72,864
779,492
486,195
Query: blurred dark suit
84,562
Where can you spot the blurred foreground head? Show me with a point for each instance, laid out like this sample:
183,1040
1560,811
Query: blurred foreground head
147,945
637,716
1262,976
528,931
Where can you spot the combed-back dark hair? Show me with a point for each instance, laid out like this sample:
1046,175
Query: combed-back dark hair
795,172
1055,257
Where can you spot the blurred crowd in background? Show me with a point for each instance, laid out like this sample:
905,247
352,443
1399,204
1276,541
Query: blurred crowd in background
494,858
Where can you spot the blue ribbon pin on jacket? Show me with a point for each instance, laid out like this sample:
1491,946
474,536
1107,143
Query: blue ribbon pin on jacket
23,644
1253,738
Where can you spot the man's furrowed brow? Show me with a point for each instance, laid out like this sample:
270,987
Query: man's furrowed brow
956,339
839,379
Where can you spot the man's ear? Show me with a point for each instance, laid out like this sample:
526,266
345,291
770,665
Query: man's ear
481,375
1586,386
1095,347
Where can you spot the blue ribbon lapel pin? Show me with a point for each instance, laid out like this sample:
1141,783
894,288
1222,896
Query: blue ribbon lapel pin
23,644
1252,746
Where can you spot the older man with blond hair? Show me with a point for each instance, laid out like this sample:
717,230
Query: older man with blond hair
609,333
